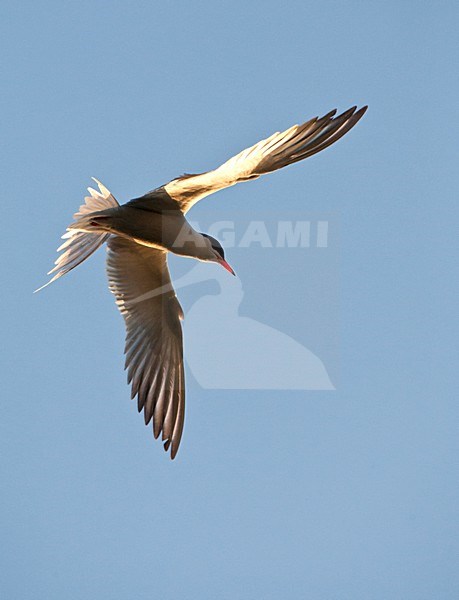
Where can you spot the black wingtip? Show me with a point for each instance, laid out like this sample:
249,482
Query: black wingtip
346,114
359,114
350,112
174,448
329,115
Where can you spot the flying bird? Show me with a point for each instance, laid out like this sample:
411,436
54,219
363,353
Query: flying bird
139,235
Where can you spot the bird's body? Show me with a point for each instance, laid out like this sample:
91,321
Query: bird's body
139,235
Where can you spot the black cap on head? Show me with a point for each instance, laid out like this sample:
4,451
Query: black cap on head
215,245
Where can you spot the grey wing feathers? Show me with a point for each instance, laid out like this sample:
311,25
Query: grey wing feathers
277,151
139,279
305,140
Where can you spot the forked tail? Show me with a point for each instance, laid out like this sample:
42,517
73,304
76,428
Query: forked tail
79,245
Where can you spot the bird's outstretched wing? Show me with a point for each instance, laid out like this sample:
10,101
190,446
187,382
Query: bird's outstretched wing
275,152
139,279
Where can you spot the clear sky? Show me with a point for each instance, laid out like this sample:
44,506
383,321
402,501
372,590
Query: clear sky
348,494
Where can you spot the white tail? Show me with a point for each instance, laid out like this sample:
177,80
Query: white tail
80,244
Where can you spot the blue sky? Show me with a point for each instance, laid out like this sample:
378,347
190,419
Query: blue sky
348,494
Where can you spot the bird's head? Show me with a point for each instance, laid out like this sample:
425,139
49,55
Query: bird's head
215,252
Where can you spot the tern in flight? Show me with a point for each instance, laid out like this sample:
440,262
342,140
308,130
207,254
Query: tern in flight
140,233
